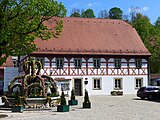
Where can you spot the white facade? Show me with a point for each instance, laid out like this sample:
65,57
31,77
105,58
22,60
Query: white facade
129,84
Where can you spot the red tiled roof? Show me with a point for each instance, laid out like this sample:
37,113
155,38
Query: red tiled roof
8,63
93,36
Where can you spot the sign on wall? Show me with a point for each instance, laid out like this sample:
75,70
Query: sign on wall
65,86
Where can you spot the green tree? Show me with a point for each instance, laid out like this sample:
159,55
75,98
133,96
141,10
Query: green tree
115,13
150,36
89,13
142,25
21,21
157,23
75,13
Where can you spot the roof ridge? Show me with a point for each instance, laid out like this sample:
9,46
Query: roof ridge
97,20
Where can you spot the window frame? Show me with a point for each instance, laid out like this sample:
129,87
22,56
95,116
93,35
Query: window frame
59,63
97,81
77,63
117,63
138,63
120,82
96,63
137,86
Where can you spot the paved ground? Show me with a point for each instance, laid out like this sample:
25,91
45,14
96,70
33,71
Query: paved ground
127,107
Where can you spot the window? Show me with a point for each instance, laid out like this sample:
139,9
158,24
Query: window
117,63
60,63
96,62
97,83
138,63
65,86
118,83
139,82
15,63
77,62
40,59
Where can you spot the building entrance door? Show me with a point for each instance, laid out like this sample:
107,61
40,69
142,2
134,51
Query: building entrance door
78,86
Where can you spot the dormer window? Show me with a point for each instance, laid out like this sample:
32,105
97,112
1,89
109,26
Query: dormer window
117,63
78,62
96,62
60,63
138,63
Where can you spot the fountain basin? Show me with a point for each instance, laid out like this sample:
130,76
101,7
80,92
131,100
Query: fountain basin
40,101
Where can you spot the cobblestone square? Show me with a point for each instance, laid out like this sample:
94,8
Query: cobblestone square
127,107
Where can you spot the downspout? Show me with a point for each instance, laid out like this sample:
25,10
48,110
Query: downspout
148,68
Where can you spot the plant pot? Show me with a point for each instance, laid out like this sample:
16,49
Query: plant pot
115,93
73,102
18,109
120,93
62,108
87,105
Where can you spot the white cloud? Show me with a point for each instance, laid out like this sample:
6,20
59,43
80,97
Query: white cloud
92,4
145,8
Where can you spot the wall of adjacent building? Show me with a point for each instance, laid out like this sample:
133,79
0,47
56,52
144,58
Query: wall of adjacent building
9,74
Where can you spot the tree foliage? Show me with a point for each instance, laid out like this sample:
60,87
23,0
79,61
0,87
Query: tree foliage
75,13
150,36
21,21
157,23
89,13
115,13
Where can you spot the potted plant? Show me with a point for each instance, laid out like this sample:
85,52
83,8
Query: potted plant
18,105
86,103
115,93
73,101
63,107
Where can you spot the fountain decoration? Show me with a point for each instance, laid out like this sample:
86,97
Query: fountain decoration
32,84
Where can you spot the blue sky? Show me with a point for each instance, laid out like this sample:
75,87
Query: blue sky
151,8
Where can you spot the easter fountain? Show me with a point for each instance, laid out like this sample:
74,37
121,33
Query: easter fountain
38,90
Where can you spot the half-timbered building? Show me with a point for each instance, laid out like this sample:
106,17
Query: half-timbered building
100,55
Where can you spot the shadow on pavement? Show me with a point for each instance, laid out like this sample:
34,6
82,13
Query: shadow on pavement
3,115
